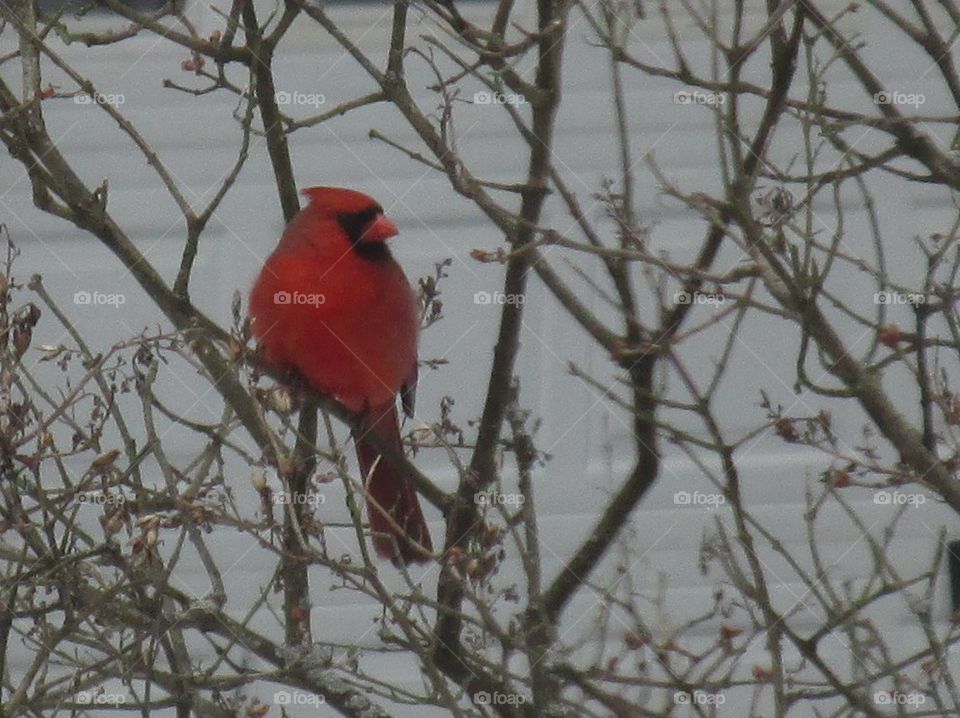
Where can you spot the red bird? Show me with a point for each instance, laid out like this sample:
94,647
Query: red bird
332,304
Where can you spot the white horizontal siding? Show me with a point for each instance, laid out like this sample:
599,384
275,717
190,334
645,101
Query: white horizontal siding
198,140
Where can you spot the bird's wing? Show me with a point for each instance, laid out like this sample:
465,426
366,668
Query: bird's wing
408,390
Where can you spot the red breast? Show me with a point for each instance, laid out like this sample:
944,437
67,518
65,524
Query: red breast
332,303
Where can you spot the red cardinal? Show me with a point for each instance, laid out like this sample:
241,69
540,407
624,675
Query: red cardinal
333,304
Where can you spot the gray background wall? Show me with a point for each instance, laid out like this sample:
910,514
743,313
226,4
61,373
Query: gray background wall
197,139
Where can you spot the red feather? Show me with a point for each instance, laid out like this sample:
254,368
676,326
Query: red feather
333,305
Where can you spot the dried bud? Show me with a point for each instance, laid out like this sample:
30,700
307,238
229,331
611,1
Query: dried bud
474,569
786,430
104,461
286,467
890,336
29,315
492,535
149,521
21,340
235,349
113,524
259,480
838,478
199,514
730,632
482,255
151,536
456,556
194,64
635,640
50,352
281,401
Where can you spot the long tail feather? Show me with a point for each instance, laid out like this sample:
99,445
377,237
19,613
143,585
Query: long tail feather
399,529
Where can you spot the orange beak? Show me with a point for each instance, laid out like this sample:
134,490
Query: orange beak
379,230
